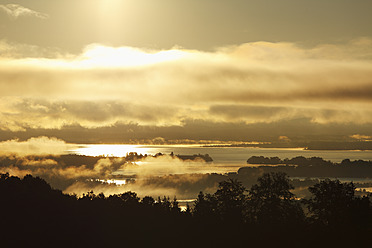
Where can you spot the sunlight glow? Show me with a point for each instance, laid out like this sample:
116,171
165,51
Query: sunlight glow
114,181
102,56
109,150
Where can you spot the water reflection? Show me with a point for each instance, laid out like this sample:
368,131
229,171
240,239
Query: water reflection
110,150
115,181
220,155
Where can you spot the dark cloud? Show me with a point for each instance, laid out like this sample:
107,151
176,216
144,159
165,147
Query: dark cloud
358,93
45,113
296,129
254,113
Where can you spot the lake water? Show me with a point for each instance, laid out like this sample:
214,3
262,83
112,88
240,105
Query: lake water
225,159
220,155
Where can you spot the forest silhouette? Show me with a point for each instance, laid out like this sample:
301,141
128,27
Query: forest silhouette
268,214
310,167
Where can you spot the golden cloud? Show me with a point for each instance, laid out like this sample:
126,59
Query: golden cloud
253,82
360,137
15,11
35,146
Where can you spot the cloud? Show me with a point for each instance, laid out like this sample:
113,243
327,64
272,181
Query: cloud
182,186
284,138
142,190
34,146
261,113
202,131
12,50
165,165
15,171
250,112
39,162
79,174
360,137
250,83
162,176
15,11
22,113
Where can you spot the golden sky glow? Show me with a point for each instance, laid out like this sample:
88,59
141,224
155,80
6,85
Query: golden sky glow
142,70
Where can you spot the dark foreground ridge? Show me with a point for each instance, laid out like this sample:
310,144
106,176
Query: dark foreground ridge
266,215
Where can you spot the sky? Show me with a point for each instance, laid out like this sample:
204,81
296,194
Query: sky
136,71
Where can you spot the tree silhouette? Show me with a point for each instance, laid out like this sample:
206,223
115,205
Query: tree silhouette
204,206
148,201
33,211
230,199
271,203
174,207
227,203
334,204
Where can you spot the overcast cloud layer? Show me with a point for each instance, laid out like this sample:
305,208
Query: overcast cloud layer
249,83
93,71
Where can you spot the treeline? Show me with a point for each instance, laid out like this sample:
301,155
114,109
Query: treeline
300,161
311,167
265,215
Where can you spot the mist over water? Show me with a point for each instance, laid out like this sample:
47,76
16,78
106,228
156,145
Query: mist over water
79,168
234,156
104,168
225,159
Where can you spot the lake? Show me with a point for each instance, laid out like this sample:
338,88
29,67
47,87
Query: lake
225,159
224,155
